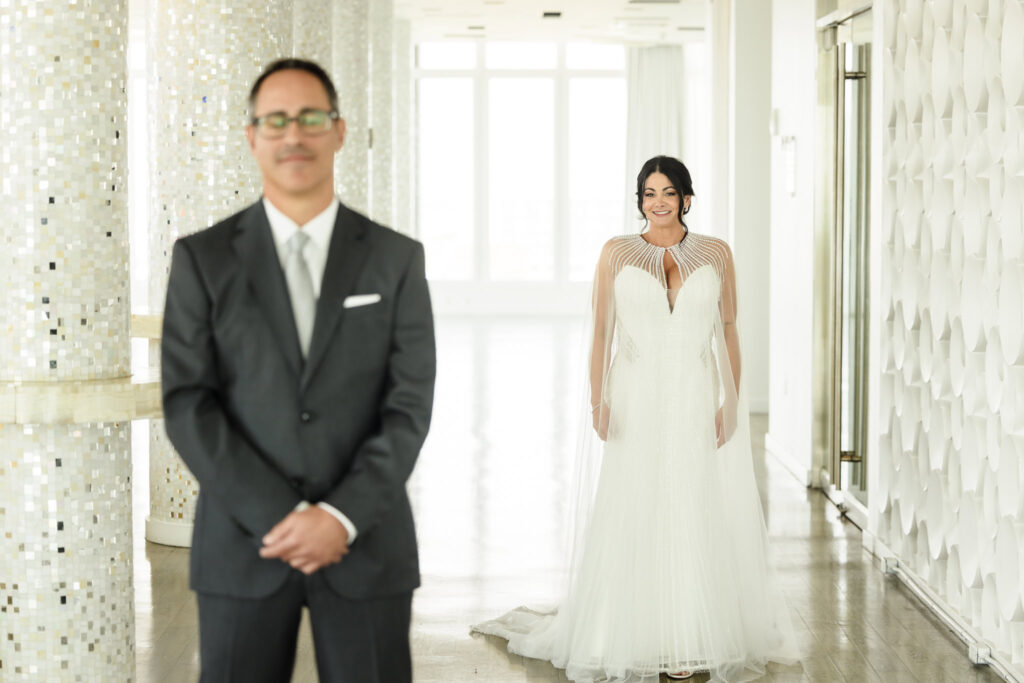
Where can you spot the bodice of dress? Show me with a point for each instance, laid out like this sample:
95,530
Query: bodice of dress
647,320
650,319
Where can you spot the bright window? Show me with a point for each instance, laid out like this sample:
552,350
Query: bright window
461,55
519,56
595,56
597,187
521,161
447,187
521,223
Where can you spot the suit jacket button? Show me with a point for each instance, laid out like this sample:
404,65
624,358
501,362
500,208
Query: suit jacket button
306,416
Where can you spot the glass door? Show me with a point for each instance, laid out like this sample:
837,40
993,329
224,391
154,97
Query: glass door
841,252
852,278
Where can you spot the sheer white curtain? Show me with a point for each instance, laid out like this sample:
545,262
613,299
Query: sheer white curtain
655,116
667,110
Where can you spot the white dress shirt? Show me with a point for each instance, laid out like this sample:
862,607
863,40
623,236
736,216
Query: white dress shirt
319,229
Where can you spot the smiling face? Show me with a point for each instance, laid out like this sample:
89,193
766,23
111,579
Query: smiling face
662,202
295,166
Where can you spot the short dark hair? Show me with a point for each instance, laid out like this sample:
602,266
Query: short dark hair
676,173
299,65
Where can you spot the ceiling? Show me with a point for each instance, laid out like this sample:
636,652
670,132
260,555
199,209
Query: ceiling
630,21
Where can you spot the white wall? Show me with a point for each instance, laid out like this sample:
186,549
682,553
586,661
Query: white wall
791,280
948,501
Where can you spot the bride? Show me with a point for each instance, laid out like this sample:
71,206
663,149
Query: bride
669,570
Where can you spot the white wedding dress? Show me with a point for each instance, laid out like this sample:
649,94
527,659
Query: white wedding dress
669,568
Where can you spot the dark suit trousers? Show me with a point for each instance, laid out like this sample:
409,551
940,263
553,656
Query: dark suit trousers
253,641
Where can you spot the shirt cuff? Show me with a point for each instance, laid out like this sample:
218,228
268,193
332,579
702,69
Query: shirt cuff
333,512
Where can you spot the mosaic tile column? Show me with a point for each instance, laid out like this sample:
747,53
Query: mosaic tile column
404,220
201,171
312,31
66,594
950,492
382,111
351,76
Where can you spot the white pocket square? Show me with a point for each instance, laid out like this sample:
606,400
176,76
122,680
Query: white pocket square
360,300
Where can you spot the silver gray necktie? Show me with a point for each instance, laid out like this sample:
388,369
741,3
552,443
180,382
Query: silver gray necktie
300,288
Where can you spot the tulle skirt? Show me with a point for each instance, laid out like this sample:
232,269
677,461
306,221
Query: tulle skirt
673,573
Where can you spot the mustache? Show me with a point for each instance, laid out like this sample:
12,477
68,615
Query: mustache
292,151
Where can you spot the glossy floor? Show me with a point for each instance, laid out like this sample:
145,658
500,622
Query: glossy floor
488,493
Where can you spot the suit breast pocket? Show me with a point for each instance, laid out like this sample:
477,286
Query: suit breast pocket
370,317
364,333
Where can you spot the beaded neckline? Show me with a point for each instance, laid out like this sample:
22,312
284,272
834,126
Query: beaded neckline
693,251
677,244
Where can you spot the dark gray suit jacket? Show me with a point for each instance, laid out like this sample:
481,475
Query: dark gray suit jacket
261,430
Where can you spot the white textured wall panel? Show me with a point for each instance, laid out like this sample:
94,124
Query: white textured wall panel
950,471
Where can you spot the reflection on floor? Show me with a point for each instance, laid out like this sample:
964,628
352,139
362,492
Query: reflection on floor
488,494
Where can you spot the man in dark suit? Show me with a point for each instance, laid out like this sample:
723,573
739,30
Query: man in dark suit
298,372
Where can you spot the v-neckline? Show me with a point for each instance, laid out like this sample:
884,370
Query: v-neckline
670,298
668,281
670,303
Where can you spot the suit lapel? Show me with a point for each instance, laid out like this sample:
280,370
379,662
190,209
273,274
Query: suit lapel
255,246
345,259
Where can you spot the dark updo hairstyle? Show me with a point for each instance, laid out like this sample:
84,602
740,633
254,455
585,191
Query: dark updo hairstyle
676,173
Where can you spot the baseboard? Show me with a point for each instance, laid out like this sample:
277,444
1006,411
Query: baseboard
856,512
175,534
870,542
795,467
979,650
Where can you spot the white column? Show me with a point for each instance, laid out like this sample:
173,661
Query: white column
201,70
66,594
382,110
352,79
794,91
402,198
740,194
750,187
720,61
312,31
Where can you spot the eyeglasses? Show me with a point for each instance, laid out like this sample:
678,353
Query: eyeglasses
311,122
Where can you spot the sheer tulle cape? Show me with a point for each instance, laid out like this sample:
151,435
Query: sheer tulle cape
668,561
